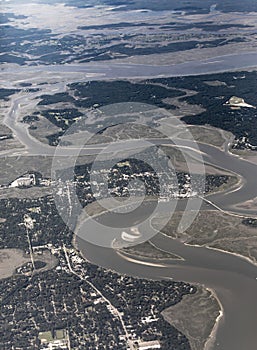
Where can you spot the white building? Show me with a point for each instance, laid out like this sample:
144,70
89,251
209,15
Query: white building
155,344
26,180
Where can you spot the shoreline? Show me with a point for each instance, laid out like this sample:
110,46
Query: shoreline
212,337
224,251
213,248
145,258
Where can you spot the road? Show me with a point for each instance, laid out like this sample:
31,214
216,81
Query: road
233,278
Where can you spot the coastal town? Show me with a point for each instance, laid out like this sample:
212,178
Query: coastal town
78,305
176,82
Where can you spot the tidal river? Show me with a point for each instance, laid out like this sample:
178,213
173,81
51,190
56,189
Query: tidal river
233,278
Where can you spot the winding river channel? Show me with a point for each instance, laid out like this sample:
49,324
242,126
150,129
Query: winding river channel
233,278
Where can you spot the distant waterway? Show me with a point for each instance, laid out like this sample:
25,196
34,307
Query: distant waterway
112,70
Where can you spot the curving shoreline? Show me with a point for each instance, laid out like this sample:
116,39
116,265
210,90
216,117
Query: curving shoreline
210,342
219,271
189,271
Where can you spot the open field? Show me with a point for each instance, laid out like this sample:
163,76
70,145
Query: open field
10,259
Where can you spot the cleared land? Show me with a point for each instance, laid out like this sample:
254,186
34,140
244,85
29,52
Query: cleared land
10,259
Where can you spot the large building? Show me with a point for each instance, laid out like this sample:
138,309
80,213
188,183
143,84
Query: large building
25,180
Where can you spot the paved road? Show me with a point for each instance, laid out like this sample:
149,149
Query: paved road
232,277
